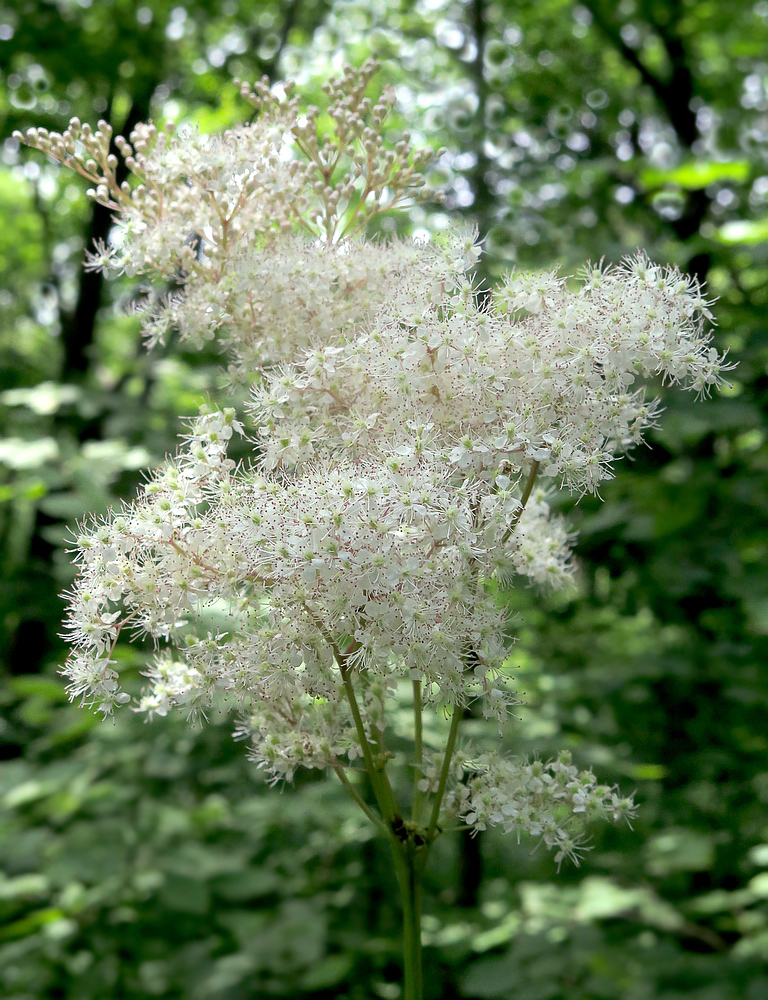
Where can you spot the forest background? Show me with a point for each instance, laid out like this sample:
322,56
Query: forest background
142,860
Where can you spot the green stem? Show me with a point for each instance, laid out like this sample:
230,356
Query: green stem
523,501
338,768
409,872
418,750
407,866
408,859
382,789
379,780
446,770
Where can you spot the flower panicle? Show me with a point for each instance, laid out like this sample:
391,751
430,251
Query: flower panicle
410,429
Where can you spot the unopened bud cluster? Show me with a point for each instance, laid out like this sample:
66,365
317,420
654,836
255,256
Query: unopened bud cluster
405,434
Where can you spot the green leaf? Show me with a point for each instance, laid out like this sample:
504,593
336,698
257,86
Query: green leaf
23,886
697,174
18,453
41,687
743,231
327,973
187,895
31,924
43,399
647,772
680,850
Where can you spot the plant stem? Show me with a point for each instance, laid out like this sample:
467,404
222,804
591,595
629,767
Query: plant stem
407,867
409,872
379,780
523,501
418,750
385,798
449,748
339,769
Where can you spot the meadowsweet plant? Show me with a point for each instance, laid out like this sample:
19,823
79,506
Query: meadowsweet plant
406,434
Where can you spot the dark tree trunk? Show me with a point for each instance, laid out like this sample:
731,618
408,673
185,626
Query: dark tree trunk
675,96
78,328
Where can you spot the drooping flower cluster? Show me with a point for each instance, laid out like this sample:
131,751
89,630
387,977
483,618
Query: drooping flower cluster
401,422
551,800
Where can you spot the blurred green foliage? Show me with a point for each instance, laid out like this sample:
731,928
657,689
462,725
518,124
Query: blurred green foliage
149,860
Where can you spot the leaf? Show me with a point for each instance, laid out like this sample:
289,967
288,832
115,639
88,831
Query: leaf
43,399
601,898
18,453
252,884
494,978
187,895
647,772
680,850
327,973
28,791
23,886
31,924
41,687
697,174
748,232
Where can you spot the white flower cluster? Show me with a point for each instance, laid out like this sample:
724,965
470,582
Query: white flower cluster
146,566
544,376
349,564
273,304
355,173
401,423
551,800
225,190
